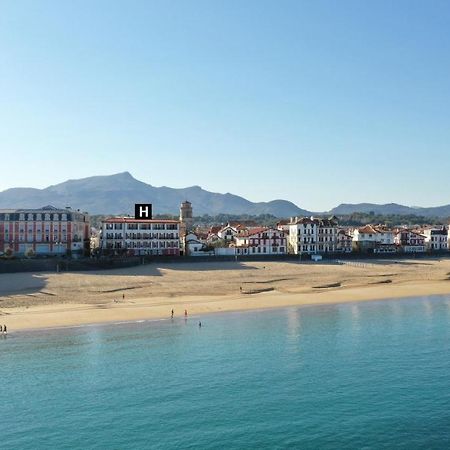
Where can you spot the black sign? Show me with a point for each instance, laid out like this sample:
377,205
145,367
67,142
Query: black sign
142,211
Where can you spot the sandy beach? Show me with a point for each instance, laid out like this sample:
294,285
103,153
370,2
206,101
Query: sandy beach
42,300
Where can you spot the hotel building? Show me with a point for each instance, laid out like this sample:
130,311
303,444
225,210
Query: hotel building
140,236
44,231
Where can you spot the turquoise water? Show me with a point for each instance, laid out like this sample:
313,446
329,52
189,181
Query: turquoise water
362,375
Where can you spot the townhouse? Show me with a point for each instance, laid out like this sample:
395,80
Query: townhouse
344,241
327,233
303,236
227,233
261,241
436,238
374,239
409,241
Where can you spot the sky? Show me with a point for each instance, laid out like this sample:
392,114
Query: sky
316,102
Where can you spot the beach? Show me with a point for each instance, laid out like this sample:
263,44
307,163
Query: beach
47,300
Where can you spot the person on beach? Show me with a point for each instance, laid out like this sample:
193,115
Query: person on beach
123,296
1,329
185,313
172,313
4,329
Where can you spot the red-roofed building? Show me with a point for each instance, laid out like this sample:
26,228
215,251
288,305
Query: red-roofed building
374,239
409,241
262,241
344,241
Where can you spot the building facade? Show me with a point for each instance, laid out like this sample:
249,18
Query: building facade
436,238
303,236
409,241
327,234
310,236
261,241
124,235
44,231
374,239
344,241
227,233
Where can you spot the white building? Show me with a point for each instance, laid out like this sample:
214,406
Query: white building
261,241
374,239
436,238
227,233
303,236
310,236
195,246
124,235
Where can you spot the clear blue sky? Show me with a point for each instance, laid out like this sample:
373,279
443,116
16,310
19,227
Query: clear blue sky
317,102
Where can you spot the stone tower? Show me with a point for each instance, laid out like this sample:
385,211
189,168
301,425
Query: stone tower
186,215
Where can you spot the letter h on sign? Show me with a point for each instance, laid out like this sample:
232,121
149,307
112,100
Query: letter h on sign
143,211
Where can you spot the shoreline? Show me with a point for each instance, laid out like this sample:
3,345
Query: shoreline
67,315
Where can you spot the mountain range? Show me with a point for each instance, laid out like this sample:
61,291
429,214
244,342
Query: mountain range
117,194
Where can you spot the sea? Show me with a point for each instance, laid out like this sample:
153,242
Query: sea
368,375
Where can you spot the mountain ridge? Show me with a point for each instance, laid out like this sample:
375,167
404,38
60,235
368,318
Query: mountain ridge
117,193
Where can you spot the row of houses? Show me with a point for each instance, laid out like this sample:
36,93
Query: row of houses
314,236
54,231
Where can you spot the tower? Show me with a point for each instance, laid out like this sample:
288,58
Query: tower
186,215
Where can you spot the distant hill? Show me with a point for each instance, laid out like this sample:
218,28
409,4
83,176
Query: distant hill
117,194
391,208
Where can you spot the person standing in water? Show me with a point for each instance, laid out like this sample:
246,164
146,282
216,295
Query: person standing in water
199,324
4,329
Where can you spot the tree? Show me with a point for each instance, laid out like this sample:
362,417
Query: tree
29,253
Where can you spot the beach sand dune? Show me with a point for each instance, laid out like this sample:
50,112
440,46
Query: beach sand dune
151,291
